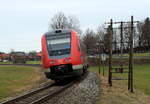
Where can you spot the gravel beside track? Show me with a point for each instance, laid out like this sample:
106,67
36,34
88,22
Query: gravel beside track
86,91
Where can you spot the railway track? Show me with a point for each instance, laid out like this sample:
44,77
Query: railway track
43,94
27,95
39,95
51,95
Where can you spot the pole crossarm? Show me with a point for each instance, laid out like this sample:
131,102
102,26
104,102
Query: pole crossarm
122,22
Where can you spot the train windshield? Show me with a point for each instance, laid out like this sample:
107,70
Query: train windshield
59,45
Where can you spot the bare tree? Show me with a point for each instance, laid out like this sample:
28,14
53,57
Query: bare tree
127,32
106,39
73,23
146,32
139,32
61,21
90,41
100,33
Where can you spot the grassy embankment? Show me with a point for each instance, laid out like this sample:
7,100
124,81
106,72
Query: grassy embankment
138,54
135,56
16,79
8,62
118,93
33,62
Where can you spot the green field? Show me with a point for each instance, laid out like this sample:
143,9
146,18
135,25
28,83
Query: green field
8,62
138,54
141,77
33,62
27,62
15,79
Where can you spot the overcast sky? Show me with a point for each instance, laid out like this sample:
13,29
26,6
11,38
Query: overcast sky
22,22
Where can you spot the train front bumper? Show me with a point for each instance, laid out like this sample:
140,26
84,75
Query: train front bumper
63,75
77,71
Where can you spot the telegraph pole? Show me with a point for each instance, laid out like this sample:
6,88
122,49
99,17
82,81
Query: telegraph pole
121,36
99,57
110,30
131,55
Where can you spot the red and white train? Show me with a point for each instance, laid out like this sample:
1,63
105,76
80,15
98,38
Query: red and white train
62,54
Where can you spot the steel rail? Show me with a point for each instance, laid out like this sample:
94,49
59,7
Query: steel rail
56,92
51,95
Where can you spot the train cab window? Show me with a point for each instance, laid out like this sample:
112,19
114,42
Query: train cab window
59,45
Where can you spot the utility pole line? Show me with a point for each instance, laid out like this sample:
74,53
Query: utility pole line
110,32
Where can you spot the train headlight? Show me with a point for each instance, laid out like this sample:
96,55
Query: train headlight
68,60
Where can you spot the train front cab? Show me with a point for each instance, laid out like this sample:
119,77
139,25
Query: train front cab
72,65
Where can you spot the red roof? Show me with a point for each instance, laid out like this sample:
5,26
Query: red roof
39,54
4,55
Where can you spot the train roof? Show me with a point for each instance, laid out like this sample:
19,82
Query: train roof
59,31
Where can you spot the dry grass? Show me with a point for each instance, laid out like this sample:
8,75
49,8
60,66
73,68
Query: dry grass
118,94
14,80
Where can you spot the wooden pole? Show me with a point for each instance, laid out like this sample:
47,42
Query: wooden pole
110,52
99,57
131,53
121,40
130,77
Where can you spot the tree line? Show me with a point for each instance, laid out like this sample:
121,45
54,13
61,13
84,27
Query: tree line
97,40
